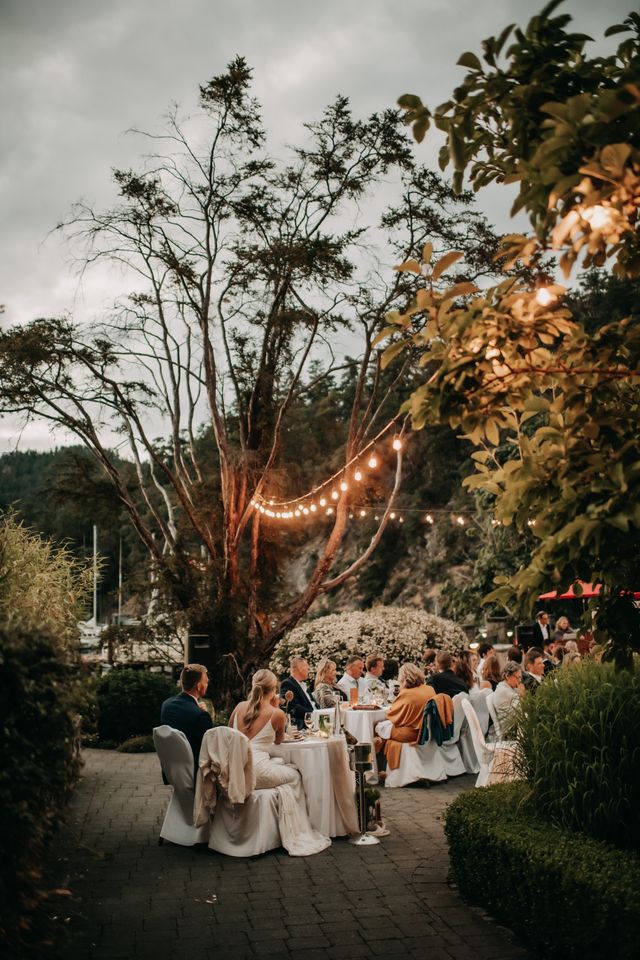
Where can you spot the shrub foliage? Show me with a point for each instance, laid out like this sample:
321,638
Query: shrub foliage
571,896
580,752
40,590
395,632
129,703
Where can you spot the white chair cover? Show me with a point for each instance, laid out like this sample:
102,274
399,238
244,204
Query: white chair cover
176,759
417,763
450,750
465,743
483,750
478,700
494,717
242,829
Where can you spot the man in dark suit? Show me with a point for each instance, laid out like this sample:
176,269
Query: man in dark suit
295,683
533,673
183,712
542,630
445,680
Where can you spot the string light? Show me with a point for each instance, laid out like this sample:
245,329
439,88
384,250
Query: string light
313,508
429,518
323,502
363,513
373,463
397,443
334,494
329,511
344,486
357,476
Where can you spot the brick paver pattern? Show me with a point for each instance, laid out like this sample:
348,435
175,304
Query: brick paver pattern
137,899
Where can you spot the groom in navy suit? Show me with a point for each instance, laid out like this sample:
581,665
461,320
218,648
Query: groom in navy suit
183,712
295,683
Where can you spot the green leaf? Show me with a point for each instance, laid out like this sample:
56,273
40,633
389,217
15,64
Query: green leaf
470,60
617,28
409,266
386,332
456,149
408,101
427,252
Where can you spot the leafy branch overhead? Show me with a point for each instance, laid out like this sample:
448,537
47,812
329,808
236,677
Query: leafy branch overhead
534,110
550,404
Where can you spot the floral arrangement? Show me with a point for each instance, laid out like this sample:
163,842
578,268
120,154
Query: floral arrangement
397,633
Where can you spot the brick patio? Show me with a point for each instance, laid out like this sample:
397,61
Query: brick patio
136,899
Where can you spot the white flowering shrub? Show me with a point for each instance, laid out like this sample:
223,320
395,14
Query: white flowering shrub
396,633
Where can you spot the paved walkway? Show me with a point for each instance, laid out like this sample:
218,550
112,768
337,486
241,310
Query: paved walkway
135,899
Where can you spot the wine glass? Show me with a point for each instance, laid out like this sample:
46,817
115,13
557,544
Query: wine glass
308,721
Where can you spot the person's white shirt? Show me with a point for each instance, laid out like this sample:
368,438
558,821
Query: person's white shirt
348,683
371,681
504,699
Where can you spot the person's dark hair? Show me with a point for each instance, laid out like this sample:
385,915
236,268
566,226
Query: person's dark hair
429,656
390,671
484,649
541,613
462,669
532,655
559,652
373,660
191,675
515,654
444,660
353,659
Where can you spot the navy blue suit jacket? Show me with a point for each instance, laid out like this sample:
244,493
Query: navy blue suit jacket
302,702
183,713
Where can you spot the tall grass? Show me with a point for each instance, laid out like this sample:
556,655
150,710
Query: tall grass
579,740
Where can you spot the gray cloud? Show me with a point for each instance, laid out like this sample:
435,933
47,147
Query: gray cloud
76,74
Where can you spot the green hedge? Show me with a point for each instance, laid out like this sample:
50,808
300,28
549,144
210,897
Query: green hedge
129,703
38,767
567,894
579,749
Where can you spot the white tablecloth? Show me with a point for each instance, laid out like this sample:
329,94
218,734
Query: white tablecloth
361,723
311,757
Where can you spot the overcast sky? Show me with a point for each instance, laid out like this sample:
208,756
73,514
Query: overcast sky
76,74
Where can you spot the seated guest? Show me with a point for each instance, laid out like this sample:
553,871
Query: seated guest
491,672
326,690
550,662
484,650
533,674
508,692
429,660
352,679
296,684
463,668
558,653
562,627
261,720
183,712
445,680
515,654
390,679
375,669
405,715
571,654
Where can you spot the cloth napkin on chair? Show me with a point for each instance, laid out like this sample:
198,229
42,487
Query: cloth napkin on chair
225,764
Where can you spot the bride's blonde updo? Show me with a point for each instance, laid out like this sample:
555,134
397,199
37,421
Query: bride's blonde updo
263,684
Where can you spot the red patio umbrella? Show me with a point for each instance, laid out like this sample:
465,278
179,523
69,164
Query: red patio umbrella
588,590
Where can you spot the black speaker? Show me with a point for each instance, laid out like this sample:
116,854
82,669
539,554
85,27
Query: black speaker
524,635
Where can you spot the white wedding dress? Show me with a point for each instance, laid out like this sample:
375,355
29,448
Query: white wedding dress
298,836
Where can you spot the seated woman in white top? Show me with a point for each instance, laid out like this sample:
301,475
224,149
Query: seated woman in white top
262,721
508,692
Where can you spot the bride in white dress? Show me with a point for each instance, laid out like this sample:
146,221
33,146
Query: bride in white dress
262,721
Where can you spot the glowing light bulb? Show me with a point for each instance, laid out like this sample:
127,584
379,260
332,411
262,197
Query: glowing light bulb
363,513
373,463
313,508
460,521
357,475
392,516
334,494
344,486
278,515
350,516
400,519
531,523
329,511
376,517
270,503
544,297
323,502
296,513
397,443
429,518
305,510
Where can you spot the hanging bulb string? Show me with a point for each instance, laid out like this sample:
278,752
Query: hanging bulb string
265,499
